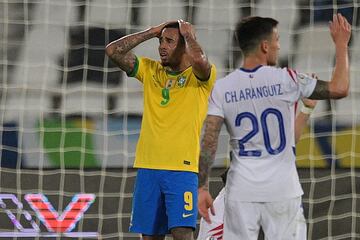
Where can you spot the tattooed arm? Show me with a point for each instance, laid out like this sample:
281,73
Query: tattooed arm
120,50
197,57
338,87
207,156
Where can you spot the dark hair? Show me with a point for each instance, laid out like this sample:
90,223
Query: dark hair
172,25
252,30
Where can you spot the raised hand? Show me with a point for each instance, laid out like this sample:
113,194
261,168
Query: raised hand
340,30
158,29
186,29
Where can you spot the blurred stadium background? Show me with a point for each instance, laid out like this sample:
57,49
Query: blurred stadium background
69,119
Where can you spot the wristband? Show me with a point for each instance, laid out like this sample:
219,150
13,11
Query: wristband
306,110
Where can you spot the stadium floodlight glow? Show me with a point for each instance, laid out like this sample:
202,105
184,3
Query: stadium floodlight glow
56,225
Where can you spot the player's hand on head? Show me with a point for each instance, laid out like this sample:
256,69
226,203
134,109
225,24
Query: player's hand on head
186,29
205,202
158,29
340,30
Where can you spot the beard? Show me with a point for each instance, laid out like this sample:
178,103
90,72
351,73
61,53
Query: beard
165,63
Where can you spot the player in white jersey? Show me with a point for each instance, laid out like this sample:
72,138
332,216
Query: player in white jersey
215,229
256,102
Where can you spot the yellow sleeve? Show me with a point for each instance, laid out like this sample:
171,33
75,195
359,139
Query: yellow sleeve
142,66
210,82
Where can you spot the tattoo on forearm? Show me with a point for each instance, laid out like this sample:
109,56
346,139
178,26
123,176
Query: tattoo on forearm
122,55
193,45
321,90
208,147
195,51
129,42
125,62
206,161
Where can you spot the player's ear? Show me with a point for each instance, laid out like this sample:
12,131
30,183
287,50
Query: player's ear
264,46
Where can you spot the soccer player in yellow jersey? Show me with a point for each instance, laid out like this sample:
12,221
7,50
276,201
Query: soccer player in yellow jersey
176,91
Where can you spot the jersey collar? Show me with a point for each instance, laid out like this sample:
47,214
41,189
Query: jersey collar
175,73
251,70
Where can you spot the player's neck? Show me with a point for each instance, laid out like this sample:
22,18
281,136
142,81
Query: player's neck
182,66
252,61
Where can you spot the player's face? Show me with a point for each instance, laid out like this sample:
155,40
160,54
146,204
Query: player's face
274,47
170,48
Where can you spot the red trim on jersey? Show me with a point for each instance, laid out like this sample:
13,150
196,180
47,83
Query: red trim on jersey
292,74
218,232
221,226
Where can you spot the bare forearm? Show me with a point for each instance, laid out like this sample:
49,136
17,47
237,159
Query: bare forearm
300,124
120,50
340,31
197,58
193,48
208,148
339,85
125,44
206,161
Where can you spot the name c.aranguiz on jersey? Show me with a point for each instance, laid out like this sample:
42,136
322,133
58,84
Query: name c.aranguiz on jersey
253,93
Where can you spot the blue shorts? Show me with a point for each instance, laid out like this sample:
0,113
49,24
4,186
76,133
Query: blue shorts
164,200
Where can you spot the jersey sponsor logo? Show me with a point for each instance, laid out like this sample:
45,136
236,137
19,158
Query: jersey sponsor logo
184,215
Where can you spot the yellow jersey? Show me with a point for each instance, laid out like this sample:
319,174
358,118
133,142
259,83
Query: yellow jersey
175,106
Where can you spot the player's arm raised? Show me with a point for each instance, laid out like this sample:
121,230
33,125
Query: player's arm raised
197,57
207,156
119,50
338,87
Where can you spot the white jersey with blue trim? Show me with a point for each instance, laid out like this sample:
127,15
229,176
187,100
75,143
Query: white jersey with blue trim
258,106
